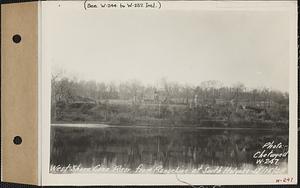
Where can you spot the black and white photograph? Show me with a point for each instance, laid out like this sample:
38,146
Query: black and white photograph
169,90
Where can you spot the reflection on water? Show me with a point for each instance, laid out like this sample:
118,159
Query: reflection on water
169,147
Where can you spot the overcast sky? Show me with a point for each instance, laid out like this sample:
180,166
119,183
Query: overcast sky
182,46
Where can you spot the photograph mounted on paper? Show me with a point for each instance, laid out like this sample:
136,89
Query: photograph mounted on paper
169,90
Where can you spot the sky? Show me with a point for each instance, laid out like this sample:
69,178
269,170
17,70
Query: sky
184,46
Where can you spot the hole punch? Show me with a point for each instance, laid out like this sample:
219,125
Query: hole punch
17,140
16,38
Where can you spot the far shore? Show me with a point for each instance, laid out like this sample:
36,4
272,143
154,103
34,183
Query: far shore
103,125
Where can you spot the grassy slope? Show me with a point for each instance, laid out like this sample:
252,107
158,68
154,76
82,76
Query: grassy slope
126,113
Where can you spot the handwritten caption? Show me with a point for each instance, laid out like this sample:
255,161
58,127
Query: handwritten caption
285,180
121,5
271,153
159,169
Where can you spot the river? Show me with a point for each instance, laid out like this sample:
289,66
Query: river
89,145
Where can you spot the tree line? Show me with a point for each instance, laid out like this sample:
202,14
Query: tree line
66,90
